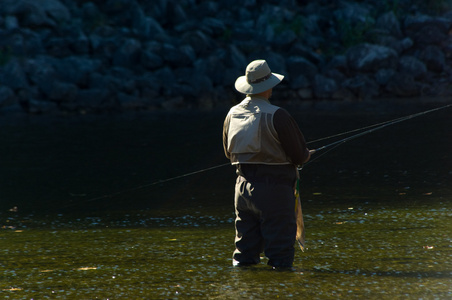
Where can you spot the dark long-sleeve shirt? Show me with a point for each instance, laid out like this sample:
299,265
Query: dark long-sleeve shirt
290,136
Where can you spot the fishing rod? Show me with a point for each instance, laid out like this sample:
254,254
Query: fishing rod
332,146
374,128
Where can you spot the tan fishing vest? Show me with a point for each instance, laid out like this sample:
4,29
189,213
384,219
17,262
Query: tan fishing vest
252,138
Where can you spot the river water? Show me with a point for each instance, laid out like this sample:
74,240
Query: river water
87,212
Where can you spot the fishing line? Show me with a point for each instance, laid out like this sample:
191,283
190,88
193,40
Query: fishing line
379,126
146,185
390,122
333,145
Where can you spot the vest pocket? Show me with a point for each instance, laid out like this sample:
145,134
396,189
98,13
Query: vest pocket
244,135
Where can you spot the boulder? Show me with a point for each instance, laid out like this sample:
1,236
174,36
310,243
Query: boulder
299,82
434,58
93,99
177,56
150,61
34,106
324,87
415,23
362,86
212,66
403,85
199,41
297,66
41,13
59,46
8,100
427,29
13,75
128,55
62,92
127,101
383,76
11,22
389,24
214,27
76,69
54,9
353,12
370,58
412,65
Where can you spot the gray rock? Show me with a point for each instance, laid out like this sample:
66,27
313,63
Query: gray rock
21,42
155,30
299,49
284,39
93,99
173,56
426,29
324,87
62,92
103,48
128,55
35,106
81,44
174,103
59,47
213,26
176,14
40,69
76,69
383,76
297,66
413,66
11,22
335,74
415,23
403,45
7,98
403,85
305,93
213,66
434,58
362,86
150,60
127,101
389,23
90,11
338,62
98,81
353,12
236,59
37,14
55,10
299,82
13,75
429,34
199,41
165,78
370,58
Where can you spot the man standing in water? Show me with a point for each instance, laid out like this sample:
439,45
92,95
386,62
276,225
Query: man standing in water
265,144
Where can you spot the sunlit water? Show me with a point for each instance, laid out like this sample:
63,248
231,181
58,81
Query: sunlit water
92,221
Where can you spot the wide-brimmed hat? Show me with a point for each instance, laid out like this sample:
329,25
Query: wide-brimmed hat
258,78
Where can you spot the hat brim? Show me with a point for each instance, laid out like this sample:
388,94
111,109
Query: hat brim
244,87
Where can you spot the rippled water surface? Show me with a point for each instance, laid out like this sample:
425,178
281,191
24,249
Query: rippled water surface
85,215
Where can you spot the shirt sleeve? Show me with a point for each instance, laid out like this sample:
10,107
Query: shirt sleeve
290,136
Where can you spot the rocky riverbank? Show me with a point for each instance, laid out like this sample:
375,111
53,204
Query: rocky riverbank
115,55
